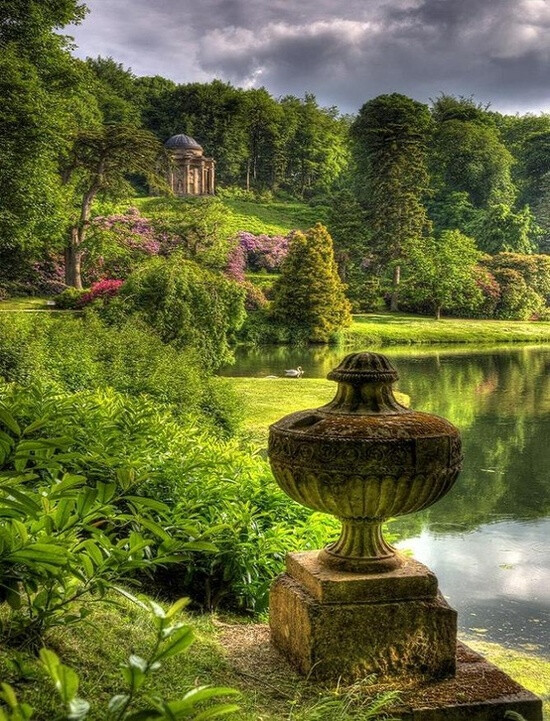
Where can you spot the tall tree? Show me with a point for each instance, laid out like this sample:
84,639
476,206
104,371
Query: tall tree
99,161
467,154
309,299
45,96
390,137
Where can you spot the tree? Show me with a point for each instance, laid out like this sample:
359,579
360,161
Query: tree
188,306
309,299
442,272
99,161
45,96
467,153
390,135
499,230
348,228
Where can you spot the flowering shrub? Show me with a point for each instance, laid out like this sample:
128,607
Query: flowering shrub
121,241
263,252
103,289
236,263
48,275
132,229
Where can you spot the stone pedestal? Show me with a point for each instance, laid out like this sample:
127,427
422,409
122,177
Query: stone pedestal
332,624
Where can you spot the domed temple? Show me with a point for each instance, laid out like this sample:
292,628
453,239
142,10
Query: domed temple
191,172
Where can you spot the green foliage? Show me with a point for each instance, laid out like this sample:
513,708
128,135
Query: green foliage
172,638
535,269
390,137
442,273
309,300
517,300
348,228
63,541
500,230
68,299
72,354
187,305
468,155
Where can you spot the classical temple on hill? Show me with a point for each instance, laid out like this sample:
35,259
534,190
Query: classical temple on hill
191,172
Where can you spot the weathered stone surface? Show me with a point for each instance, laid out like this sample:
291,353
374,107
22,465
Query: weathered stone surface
478,692
393,639
411,580
364,458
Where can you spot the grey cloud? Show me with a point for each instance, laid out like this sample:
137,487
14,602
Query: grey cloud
343,52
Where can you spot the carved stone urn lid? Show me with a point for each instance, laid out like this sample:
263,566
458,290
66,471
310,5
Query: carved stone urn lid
364,458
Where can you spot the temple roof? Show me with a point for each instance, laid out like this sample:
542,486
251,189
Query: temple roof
182,142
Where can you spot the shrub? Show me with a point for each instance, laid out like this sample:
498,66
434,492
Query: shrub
82,353
517,300
255,299
263,252
309,298
220,497
102,290
69,299
64,541
187,305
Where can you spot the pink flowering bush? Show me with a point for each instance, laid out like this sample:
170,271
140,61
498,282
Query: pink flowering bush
102,290
263,252
236,263
121,241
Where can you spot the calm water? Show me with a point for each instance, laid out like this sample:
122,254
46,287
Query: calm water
488,540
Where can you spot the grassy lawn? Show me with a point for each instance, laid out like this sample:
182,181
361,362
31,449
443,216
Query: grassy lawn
27,303
276,218
226,653
265,400
395,328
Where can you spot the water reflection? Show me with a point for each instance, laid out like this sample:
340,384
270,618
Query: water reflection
487,540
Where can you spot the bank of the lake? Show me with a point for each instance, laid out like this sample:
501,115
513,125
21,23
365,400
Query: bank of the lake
401,328
486,540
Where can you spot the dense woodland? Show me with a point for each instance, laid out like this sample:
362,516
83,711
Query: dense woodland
408,183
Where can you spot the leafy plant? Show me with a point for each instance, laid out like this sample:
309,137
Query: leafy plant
65,542
134,704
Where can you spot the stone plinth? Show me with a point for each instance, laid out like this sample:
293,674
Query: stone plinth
332,624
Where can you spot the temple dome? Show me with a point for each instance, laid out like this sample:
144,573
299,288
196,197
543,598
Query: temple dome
182,142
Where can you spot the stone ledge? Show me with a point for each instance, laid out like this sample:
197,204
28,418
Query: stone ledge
411,581
479,692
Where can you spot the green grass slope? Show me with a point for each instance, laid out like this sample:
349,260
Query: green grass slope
403,328
273,218
265,400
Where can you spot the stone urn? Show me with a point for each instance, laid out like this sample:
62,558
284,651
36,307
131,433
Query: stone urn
364,458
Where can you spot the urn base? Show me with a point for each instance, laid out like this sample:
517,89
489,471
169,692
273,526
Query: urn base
332,624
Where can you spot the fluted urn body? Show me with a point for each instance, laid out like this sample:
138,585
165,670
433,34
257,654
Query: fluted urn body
364,458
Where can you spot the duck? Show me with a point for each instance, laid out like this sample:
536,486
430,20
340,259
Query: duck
294,372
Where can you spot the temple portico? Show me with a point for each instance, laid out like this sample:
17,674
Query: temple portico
191,173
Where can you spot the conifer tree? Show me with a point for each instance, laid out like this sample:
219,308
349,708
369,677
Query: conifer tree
309,299
391,134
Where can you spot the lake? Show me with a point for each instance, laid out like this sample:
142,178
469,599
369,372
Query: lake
488,540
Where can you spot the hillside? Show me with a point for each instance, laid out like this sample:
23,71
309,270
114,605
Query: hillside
270,218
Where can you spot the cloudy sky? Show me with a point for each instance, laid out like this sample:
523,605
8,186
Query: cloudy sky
344,51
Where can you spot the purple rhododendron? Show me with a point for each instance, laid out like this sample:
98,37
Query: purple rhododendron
263,252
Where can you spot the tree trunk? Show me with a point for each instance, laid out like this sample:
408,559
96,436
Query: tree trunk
395,288
438,312
73,261
73,250
248,174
